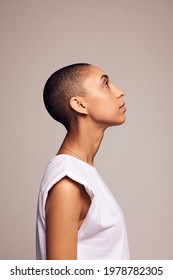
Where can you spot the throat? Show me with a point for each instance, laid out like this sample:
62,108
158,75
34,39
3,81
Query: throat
81,145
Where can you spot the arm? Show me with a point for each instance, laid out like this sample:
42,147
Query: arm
64,207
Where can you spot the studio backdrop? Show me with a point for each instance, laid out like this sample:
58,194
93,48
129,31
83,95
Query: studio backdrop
132,41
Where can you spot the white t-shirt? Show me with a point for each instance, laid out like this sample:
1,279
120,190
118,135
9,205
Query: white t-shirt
102,234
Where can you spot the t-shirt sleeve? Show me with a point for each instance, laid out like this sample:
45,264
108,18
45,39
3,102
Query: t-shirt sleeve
48,184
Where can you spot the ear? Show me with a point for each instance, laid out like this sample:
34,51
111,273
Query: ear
78,104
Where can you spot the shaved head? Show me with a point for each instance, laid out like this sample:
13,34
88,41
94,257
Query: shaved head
61,86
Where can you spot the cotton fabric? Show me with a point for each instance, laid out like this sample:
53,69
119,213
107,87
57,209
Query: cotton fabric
103,234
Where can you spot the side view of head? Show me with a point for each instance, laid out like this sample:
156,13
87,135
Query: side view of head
61,86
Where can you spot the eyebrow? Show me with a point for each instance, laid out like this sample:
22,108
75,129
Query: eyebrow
104,77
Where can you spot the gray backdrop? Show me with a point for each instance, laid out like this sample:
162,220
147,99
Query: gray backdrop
132,41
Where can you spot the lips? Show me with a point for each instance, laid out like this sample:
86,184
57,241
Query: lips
123,108
122,105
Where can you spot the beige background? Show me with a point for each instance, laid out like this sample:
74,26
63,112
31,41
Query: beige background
132,41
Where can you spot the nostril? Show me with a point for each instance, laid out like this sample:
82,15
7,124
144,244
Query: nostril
120,94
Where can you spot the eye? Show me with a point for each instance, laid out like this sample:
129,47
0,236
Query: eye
107,83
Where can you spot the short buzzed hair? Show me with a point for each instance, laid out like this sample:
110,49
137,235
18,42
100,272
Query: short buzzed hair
61,86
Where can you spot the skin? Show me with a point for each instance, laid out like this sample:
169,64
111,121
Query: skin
68,203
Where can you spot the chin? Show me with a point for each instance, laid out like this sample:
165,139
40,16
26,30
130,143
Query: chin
121,121
116,123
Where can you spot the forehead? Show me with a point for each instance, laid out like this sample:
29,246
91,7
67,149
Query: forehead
94,71
93,77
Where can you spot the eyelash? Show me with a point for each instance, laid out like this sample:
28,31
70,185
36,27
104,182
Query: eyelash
107,83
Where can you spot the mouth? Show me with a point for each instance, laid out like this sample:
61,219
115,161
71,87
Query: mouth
123,107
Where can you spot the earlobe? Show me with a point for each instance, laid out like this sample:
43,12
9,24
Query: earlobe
78,104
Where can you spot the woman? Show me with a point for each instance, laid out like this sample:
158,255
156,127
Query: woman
77,217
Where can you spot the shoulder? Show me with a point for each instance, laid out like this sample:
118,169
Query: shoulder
65,165
66,187
65,194
61,163
64,176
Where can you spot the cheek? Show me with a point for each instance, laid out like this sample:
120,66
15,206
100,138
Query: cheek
105,111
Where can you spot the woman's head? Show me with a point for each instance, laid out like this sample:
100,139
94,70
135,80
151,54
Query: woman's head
83,90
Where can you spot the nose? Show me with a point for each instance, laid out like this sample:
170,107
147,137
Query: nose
119,93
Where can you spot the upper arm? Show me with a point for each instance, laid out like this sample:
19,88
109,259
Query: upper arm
63,209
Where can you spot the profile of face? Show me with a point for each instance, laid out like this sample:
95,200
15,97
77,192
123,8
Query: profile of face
103,102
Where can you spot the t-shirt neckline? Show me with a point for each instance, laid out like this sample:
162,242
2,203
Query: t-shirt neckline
77,159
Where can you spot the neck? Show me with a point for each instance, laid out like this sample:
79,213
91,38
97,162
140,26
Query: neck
82,143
